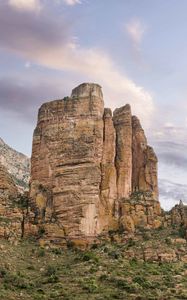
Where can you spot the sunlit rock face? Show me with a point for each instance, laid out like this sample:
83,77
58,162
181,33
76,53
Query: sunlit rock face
85,162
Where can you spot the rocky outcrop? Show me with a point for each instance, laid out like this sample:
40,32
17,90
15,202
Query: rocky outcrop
144,162
123,125
140,211
92,173
10,214
17,164
7,185
85,163
177,217
66,161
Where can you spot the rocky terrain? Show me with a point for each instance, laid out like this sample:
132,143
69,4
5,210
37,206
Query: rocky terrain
92,171
91,224
17,164
10,214
146,268
86,162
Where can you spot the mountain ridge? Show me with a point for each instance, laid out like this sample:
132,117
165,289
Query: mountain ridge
17,164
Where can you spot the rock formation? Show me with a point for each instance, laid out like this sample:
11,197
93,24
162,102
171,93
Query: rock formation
17,164
92,174
144,161
7,185
10,215
87,163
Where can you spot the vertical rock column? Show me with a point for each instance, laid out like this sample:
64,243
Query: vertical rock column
144,165
108,171
123,124
66,161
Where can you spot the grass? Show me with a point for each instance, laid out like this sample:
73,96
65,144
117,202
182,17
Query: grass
28,271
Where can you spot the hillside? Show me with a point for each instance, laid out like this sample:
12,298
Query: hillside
17,164
106,271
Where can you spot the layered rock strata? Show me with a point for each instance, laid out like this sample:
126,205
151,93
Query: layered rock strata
86,162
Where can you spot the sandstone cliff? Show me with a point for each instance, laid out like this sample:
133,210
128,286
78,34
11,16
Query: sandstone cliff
86,163
92,173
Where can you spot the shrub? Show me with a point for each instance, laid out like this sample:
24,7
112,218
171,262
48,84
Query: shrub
41,231
90,286
12,281
57,251
182,232
51,270
87,256
114,254
41,252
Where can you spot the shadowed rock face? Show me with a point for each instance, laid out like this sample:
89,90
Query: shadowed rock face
144,161
85,161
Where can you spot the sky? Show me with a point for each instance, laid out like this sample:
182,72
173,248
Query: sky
135,49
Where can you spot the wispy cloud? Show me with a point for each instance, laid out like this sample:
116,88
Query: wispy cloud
135,30
25,5
45,41
23,98
171,193
72,2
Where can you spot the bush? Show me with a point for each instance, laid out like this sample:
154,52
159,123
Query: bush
182,232
114,254
51,273
41,231
131,243
2,273
57,251
143,282
90,286
51,270
41,252
12,281
89,256
123,285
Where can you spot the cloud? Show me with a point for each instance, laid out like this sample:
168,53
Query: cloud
172,169
23,98
171,193
135,30
25,5
27,64
186,121
72,2
45,41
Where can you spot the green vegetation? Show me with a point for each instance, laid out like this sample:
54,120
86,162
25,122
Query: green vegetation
28,271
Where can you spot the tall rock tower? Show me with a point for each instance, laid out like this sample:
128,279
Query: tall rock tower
85,162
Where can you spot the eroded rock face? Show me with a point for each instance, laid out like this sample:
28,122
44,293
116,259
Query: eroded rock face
178,217
66,159
123,125
85,163
17,164
10,215
144,162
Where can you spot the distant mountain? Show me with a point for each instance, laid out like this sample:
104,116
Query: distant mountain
17,164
